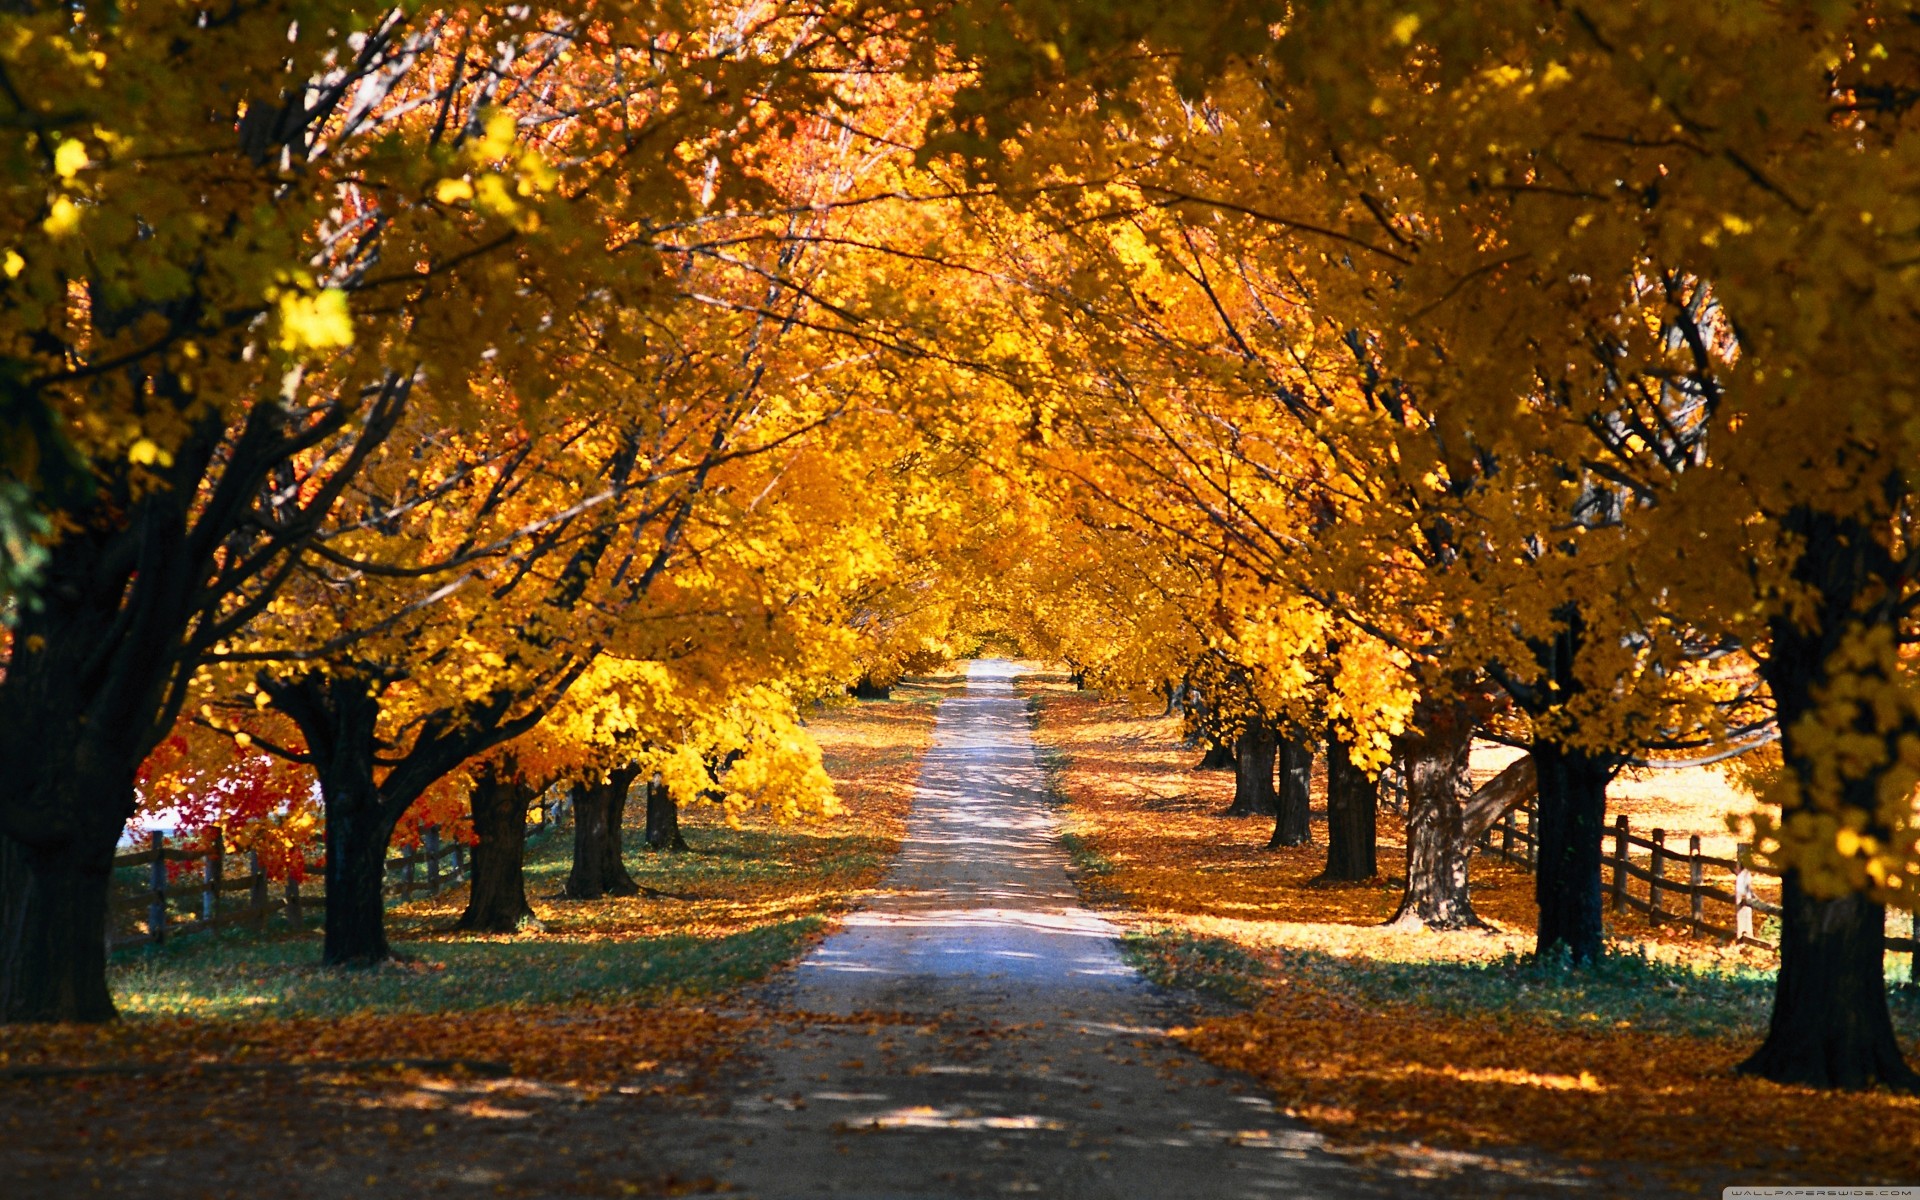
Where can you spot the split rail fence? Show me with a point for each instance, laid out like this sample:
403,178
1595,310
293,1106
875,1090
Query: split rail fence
205,894
1670,885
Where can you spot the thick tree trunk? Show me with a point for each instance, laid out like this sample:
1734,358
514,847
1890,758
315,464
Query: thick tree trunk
599,807
1831,1026
1293,808
1353,802
357,835
55,912
867,689
497,901
339,713
663,818
1566,884
1435,753
83,691
1253,756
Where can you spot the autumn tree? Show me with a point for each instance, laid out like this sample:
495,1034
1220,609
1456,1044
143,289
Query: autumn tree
248,243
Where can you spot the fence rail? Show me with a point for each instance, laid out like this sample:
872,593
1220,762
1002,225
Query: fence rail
1670,876
444,866
431,869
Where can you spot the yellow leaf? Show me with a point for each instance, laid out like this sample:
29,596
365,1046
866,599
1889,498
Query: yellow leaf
318,322
70,159
63,217
146,453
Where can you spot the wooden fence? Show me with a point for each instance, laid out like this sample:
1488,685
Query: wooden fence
432,868
208,889
1674,886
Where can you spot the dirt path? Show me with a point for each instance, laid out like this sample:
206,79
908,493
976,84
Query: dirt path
994,1040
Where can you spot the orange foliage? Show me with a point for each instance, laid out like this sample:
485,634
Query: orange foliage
1371,1074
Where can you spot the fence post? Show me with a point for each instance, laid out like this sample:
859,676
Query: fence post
1913,960
406,876
430,843
157,903
1619,861
1657,868
1743,892
257,900
459,860
214,867
293,901
1506,835
1695,881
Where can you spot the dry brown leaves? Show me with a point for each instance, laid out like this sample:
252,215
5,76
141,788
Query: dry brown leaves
1364,1073
530,1100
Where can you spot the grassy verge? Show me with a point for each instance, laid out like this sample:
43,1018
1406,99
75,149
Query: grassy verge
740,904
1385,1039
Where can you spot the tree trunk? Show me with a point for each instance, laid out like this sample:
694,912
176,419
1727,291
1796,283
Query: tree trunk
1253,755
1493,799
83,693
599,806
497,901
1219,757
339,714
55,909
1293,810
663,818
357,835
867,689
1566,882
1353,802
1438,850
1831,1026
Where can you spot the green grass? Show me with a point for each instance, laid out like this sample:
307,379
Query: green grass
1624,987
241,973
224,976
1086,860
1215,966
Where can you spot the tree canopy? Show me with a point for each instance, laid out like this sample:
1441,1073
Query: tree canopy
401,398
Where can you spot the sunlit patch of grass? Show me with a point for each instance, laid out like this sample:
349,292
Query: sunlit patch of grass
1085,859
1215,966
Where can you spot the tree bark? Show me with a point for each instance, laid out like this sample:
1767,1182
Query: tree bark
1435,752
357,836
55,913
1831,1026
1293,808
1253,756
84,694
1353,803
497,901
867,689
1491,800
599,807
1566,884
663,818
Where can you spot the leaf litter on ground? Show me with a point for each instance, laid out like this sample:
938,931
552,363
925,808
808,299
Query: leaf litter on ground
1382,1039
